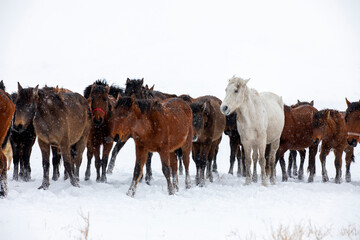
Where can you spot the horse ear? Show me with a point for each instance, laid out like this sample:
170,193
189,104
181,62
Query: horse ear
298,101
19,87
107,89
152,88
348,102
312,103
127,80
118,97
246,81
204,107
36,90
327,114
142,81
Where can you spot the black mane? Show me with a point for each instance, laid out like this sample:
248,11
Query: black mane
144,105
99,84
354,106
2,85
115,91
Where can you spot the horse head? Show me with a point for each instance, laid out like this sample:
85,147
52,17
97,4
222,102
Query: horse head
25,104
200,112
352,120
99,101
134,86
319,124
230,124
236,92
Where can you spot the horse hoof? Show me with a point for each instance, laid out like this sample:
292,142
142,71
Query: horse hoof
131,193
238,174
87,178
300,177
103,179
325,178
272,181
255,178
44,186
247,181
311,179
337,180
348,178
264,183
285,178
3,189
109,171
148,180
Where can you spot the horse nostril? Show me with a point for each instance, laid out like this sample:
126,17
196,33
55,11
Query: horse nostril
96,121
116,139
225,109
353,143
20,126
316,141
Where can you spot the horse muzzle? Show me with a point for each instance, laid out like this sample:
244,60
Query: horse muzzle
116,138
316,141
98,121
225,110
195,138
352,143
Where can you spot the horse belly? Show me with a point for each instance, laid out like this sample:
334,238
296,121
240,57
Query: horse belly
276,118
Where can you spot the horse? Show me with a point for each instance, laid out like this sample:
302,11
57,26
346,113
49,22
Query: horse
101,104
297,135
329,127
352,119
135,86
260,121
208,126
61,120
156,126
7,111
236,149
6,145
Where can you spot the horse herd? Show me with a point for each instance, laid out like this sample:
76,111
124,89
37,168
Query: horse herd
174,126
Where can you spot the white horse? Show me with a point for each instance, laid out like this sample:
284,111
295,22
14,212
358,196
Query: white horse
260,121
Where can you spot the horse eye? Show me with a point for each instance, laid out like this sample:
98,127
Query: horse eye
236,91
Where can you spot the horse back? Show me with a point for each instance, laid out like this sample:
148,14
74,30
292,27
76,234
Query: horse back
7,109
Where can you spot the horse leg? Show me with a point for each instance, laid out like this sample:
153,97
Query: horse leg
292,156
238,158
65,150
16,159
3,175
255,157
349,157
338,164
179,155
173,166
301,167
324,152
311,165
148,175
141,155
203,157
114,153
247,151
214,165
89,155
302,156
56,162
233,149
97,162
272,156
243,166
186,149
104,162
45,152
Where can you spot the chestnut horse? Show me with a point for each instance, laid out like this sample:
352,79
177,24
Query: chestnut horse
101,104
208,125
7,109
61,120
329,127
352,119
297,135
236,149
156,126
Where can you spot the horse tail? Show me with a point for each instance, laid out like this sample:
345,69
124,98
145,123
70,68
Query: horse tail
6,148
281,103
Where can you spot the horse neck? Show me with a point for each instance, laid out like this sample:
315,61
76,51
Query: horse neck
247,111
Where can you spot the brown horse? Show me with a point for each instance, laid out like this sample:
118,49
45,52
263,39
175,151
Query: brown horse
156,126
297,135
208,124
330,128
101,104
61,120
7,109
352,119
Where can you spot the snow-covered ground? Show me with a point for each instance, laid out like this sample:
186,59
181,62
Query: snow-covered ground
225,209
307,50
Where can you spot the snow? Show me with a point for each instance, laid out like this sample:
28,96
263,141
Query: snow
299,50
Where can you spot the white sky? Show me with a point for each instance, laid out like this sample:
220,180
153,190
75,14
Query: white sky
307,50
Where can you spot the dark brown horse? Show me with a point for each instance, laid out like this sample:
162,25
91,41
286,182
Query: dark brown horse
61,120
7,109
236,150
297,135
330,128
101,104
352,119
208,124
156,126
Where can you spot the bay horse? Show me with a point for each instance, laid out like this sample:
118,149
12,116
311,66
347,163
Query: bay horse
236,149
135,86
329,127
7,109
101,104
156,126
297,135
208,126
260,121
352,119
61,120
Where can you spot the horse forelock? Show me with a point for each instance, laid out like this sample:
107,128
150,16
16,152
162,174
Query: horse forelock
101,83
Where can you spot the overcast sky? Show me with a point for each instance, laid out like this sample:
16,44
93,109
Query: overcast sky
307,50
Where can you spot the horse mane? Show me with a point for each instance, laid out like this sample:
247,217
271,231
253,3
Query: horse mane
145,105
45,95
287,108
321,114
98,83
354,106
115,91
